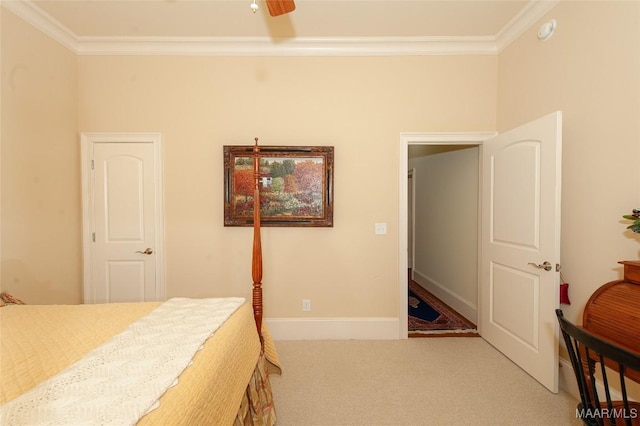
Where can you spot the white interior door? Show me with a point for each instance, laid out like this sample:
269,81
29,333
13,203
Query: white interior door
124,219
520,232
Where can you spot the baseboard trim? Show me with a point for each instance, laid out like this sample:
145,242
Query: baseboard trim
567,382
367,328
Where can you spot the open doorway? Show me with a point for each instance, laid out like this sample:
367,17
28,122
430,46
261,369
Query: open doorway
520,226
443,239
432,144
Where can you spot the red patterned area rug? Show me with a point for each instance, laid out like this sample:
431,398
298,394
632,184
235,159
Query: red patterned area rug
429,317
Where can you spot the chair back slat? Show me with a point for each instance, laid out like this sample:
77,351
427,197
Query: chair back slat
585,351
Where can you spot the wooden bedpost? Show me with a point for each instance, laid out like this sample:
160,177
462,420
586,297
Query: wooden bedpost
256,261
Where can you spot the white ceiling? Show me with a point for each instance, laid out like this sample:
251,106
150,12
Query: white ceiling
79,23
312,18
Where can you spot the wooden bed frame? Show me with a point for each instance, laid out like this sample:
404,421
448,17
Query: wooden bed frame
256,259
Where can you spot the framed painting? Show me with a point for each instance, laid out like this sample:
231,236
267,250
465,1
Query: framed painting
296,185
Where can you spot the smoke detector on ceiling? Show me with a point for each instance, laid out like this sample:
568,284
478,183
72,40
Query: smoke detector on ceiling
547,29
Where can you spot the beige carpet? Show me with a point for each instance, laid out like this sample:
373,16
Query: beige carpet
446,381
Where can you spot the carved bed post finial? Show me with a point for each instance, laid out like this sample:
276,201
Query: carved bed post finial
256,263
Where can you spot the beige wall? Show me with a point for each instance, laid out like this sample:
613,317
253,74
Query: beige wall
40,244
359,105
590,70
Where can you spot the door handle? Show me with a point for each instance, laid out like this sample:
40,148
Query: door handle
147,251
546,266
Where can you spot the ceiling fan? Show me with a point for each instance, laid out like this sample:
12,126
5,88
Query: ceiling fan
280,7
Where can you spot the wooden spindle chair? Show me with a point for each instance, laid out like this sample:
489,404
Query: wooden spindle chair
586,351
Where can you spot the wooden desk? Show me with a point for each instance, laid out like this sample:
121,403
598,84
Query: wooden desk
613,311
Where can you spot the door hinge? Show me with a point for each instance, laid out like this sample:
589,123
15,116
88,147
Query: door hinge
93,165
93,237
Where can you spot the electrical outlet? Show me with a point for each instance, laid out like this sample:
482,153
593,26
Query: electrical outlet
381,228
306,305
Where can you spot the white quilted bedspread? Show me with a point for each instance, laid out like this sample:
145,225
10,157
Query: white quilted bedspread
118,382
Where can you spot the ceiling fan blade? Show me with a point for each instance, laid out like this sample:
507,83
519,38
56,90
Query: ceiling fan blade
280,7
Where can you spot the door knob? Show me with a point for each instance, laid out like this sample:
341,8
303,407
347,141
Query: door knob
546,266
147,251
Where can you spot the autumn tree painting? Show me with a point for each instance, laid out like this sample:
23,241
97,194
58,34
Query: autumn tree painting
296,186
287,187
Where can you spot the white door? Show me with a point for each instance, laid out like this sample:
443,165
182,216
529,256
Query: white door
123,218
521,245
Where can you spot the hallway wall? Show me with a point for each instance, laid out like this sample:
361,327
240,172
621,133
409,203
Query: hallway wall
446,226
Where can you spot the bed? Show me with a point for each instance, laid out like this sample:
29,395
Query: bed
179,362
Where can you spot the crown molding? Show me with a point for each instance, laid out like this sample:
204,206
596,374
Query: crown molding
265,46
